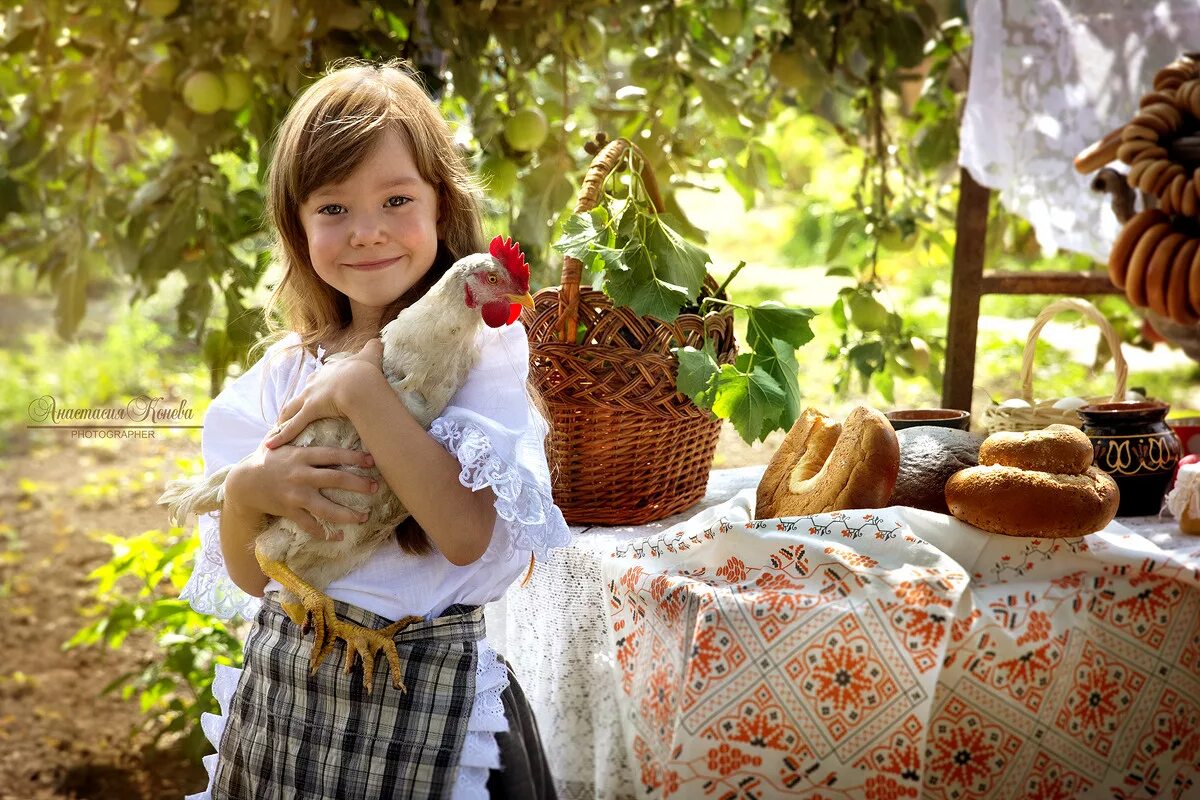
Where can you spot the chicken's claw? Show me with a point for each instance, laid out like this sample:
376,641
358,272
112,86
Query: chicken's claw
316,610
366,642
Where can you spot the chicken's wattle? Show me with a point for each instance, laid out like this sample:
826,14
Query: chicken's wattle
498,313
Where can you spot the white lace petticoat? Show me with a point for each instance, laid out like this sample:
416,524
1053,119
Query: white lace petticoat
480,752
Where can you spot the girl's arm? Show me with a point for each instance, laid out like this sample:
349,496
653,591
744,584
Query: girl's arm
240,526
419,470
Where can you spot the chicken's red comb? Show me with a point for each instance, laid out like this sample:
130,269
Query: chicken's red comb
509,254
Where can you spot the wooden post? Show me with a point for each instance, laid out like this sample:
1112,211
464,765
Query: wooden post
966,287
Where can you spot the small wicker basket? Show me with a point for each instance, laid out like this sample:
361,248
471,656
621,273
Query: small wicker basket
1039,415
629,447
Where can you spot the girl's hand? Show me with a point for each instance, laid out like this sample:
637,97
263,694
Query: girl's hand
327,393
287,482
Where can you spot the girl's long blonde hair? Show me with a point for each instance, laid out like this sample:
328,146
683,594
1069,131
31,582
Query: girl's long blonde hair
330,129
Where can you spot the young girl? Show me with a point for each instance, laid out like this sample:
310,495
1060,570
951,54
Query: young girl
371,204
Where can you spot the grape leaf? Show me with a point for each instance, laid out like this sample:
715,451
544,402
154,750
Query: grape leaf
773,320
778,359
751,401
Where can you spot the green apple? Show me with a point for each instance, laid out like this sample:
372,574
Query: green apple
914,355
204,92
238,88
499,176
526,130
867,313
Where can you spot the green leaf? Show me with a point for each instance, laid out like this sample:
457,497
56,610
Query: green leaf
72,298
778,359
845,226
773,320
679,261
885,385
582,230
751,401
696,370
637,288
867,357
839,272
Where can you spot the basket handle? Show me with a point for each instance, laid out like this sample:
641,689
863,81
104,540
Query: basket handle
607,160
1091,312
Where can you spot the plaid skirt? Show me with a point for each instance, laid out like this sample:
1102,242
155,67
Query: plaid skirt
294,735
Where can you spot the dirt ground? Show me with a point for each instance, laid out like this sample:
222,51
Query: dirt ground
59,737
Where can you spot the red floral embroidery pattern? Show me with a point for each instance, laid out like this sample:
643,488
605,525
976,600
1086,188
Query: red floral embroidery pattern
843,675
715,654
1174,729
1050,780
1146,614
883,787
1100,699
1026,677
966,754
761,722
734,570
726,759
658,697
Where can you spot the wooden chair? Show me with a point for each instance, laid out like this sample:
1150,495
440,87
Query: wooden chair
969,282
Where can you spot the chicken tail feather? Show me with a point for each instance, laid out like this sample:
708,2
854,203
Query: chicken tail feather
188,496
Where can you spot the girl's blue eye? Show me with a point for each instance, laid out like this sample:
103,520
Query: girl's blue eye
323,209
406,200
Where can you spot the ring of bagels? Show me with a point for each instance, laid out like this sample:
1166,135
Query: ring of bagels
1156,257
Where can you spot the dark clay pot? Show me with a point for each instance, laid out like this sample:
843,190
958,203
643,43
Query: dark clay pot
1134,444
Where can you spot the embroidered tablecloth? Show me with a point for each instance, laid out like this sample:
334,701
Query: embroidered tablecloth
878,653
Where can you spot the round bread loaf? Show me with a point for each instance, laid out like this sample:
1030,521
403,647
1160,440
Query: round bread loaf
1022,502
929,455
824,466
1060,449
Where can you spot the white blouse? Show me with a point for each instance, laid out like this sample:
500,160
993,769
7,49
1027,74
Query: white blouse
497,436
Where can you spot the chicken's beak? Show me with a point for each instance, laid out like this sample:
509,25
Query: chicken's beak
522,300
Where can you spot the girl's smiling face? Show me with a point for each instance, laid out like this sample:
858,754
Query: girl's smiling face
375,235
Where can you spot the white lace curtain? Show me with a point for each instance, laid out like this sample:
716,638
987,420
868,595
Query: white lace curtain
1049,77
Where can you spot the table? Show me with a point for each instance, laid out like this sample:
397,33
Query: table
888,653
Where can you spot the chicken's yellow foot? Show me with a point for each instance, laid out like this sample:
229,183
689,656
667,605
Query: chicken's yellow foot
313,606
366,642
318,607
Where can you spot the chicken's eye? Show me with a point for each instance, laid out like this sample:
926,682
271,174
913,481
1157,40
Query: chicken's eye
492,279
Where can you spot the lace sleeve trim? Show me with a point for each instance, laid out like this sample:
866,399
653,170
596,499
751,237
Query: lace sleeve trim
534,522
209,589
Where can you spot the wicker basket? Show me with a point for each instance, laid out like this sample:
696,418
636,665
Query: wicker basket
628,447
1039,415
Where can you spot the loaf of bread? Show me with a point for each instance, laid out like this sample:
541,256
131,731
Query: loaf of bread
823,465
929,455
1039,483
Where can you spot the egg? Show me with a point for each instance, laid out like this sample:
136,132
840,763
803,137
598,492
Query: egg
1070,403
1016,402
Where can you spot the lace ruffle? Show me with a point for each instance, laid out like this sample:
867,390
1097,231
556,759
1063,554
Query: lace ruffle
534,521
481,753
209,588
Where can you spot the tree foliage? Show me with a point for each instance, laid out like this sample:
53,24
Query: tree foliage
136,133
